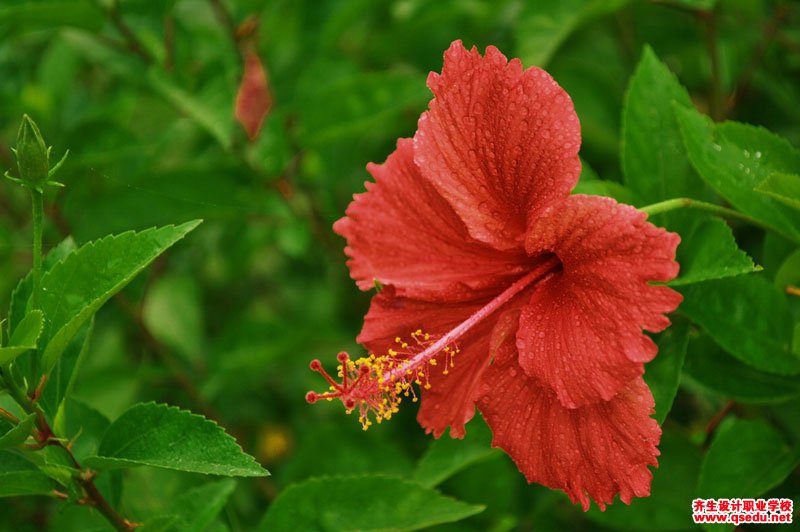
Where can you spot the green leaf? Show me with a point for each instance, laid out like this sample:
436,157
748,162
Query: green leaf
18,433
667,507
75,288
663,373
654,160
61,378
33,16
704,5
368,503
365,101
708,250
734,158
83,425
215,119
387,455
714,370
197,508
611,189
22,292
447,456
746,457
19,476
173,313
783,187
24,337
543,26
748,317
162,436
789,272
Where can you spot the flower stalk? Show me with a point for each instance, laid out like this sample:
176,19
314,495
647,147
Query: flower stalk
37,201
688,203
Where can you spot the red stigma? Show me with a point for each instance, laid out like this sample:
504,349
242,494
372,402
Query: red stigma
375,385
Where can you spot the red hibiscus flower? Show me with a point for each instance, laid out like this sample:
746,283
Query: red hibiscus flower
505,292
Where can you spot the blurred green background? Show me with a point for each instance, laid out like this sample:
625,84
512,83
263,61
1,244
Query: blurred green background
142,93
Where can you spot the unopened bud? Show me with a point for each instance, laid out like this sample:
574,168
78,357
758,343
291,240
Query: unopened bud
32,154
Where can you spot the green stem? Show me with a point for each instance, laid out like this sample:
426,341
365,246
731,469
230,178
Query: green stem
688,203
37,199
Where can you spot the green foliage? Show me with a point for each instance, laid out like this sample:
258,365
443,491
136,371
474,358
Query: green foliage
24,338
544,26
688,110
663,374
654,161
163,436
708,251
749,318
447,456
748,456
326,504
673,486
737,380
18,476
73,289
783,187
14,435
734,159
198,508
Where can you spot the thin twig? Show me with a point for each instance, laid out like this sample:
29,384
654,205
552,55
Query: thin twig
709,19
169,43
199,404
718,418
45,436
746,78
226,20
133,42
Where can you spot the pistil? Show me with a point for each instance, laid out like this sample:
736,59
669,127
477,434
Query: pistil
376,384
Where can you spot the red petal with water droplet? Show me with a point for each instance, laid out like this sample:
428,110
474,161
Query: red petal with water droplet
404,234
499,143
581,334
595,452
253,100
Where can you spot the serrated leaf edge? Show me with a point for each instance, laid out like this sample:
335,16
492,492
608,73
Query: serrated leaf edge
182,411
48,358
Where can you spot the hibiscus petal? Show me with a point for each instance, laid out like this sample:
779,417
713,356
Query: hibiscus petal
403,233
581,334
450,401
592,452
499,143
